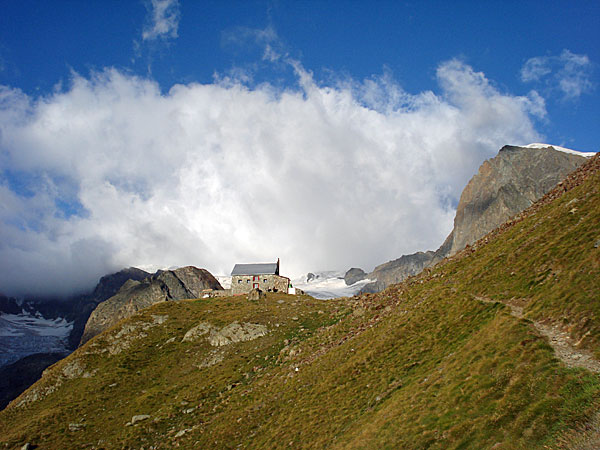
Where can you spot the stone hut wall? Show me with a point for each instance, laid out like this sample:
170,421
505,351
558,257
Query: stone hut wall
242,284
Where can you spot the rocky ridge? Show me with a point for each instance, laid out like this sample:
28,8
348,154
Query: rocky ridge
503,187
183,283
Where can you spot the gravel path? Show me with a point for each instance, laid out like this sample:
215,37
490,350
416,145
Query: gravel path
558,339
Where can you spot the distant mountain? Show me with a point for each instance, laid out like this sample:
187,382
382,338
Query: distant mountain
397,270
504,186
108,286
183,283
35,332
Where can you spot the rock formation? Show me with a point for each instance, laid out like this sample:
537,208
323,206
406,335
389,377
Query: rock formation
398,270
164,285
108,286
354,275
504,186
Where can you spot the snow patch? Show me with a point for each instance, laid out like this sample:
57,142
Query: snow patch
36,325
26,333
560,149
330,284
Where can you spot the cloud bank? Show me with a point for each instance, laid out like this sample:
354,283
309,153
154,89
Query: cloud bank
568,73
112,173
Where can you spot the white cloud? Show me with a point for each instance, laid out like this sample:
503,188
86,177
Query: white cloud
535,68
322,176
568,73
163,19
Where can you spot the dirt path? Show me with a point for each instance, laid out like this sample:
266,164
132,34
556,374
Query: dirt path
558,339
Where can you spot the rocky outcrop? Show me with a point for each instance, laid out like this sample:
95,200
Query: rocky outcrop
256,295
164,285
354,275
503,187
398,270
15,378
108,286
230,334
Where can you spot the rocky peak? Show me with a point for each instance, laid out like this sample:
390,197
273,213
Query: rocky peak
354,275
183,283
503,187
110,284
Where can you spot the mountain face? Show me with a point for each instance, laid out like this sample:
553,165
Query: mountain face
397,270
35,333
504,186
107,287
183,283
496,347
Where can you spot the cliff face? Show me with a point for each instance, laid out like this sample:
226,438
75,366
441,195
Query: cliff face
398,270
108,286
504,186
183,283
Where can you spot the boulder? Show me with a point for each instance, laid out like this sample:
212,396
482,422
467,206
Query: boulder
256,294
354,275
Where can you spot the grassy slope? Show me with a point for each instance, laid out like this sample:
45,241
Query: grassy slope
421,365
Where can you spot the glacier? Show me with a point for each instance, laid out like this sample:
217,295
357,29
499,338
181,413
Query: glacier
28,333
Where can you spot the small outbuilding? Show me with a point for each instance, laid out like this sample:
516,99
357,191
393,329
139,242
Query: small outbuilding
262,276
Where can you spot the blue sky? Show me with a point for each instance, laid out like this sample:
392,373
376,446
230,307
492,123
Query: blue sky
42,42
162,133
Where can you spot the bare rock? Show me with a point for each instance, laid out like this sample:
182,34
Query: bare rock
199,330
236,332
503,187
183,283
398,270
256,294
139,418
354,275
211,360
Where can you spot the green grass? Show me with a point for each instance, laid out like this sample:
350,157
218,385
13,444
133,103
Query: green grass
420,365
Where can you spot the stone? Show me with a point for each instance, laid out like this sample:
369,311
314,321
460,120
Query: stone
236,332
256,294
211,360
139,418
76,427
199,330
